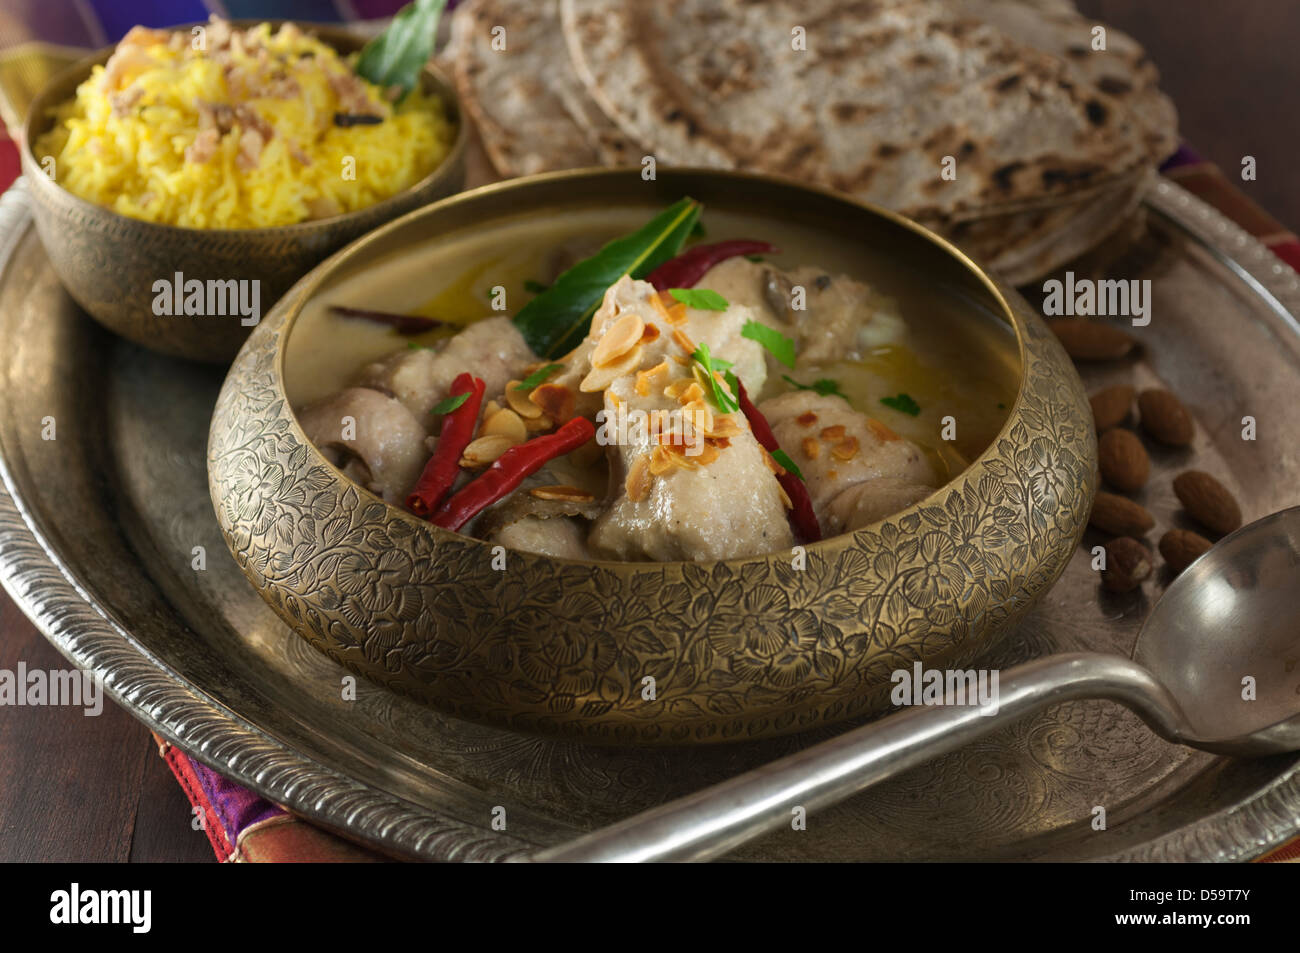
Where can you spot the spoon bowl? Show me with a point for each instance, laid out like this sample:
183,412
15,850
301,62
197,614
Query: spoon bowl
1224,640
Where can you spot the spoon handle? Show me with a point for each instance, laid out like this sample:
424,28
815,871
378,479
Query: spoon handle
711,822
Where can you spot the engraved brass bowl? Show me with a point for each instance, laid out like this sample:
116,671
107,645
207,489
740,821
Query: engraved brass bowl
109,262
738,649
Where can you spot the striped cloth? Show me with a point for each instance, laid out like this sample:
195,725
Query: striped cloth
38,38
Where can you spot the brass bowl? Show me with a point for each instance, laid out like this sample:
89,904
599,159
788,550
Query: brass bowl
109,262
738,649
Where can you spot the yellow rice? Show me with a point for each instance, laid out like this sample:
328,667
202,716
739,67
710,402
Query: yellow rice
136,163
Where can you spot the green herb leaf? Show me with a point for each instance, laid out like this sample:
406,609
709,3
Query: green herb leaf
701,298
780,346
534,287
824,386
758,259
698,230
783,458
721,398
557,320
902,403
537,376
397,56
449,404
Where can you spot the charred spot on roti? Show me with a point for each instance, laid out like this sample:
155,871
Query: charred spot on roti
1097,113
1114,86
1002,175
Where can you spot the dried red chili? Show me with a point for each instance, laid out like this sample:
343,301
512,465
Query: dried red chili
457,431
689,267
509,470
802,517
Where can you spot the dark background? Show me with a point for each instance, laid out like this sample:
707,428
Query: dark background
1233,68
77,788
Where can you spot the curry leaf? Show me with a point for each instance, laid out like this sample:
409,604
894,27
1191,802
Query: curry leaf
783,458
557,320
702,299
537,377
902,403
780,346
721,397
823,386
449,404
397,56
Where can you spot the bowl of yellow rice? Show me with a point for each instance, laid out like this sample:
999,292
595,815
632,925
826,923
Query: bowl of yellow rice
184,179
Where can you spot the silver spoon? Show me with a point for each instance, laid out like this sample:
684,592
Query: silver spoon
1231,620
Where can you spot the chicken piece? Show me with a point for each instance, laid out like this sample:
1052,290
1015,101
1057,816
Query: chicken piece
687,481
835,447
720,330
559,536
868,501
360,424
491,349
841,318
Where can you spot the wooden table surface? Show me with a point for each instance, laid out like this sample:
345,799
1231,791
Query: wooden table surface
74,788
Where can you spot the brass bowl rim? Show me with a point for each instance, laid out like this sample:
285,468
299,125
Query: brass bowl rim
293,303
328,33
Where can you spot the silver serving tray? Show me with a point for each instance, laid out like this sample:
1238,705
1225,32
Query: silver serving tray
98,530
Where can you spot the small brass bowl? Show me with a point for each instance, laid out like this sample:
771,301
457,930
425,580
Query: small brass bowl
737,649
109,262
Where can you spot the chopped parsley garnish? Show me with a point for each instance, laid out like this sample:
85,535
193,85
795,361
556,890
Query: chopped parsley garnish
449,404
534,287
700,298
903,403
721,397
780,346
823,386
757,259
537,376
783,458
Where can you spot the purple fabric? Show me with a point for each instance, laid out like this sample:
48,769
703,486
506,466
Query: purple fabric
236,807
1185,155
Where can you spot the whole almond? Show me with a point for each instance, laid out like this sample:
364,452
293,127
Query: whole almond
1123,460
1207,501
1165,418
1087,340
1182,547
1127,563
1120,516
1111,406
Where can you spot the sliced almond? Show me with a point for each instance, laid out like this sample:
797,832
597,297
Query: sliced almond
785,497
682,341
519,402
846,449
833,433
807,419
660,462
484,450
538,424
882,432
639,480
646,379
556,400
563,493
811,448
684,389
622,336
490,408
601,377
506,423
699,414
724,426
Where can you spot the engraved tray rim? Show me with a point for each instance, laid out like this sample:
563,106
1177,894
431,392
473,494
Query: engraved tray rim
33,573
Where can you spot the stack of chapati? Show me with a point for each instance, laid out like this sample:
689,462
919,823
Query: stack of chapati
1047,142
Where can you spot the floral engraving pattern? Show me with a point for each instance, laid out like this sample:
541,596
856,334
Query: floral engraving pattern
738,649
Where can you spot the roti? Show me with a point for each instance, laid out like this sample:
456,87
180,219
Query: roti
909,104
531,112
